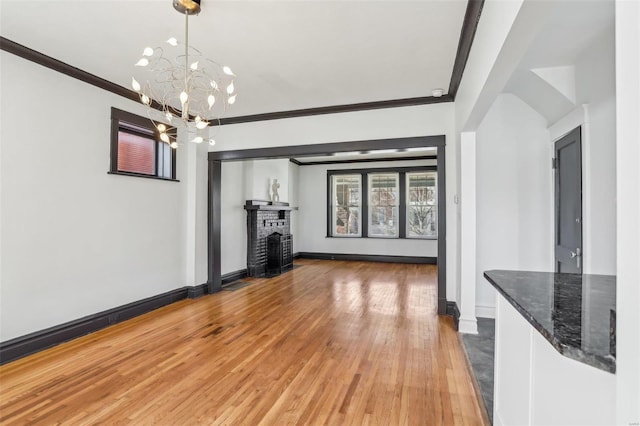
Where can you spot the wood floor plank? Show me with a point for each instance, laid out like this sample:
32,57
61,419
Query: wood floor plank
331,342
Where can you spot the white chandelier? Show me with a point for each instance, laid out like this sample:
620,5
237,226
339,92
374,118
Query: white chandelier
186,87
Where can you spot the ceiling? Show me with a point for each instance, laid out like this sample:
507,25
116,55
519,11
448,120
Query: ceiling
287,54
570,29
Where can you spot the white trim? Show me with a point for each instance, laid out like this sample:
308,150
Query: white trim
468,325
468,233
485,311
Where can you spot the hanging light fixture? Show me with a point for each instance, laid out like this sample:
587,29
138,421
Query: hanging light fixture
186,87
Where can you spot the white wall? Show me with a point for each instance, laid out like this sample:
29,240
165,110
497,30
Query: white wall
294,197
75,240
233,216
424,120
313,217
595,86
513,178
628,212
264,171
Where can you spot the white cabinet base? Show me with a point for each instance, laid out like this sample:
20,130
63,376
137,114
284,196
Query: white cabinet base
536,385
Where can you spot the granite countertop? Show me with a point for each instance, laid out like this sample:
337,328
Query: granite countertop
575,313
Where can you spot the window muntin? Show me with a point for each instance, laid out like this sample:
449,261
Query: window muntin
422,204
383,204
346,209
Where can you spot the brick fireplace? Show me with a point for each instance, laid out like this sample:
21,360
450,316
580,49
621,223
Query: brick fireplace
264,220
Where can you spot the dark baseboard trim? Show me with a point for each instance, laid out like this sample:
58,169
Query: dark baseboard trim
234,276
197,291
453,311
22,346
296,255
369,258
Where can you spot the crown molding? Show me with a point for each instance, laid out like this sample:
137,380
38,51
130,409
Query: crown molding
467,34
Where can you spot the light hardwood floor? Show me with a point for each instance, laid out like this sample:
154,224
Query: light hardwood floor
330,342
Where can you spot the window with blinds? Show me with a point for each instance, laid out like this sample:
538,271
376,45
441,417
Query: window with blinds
136,149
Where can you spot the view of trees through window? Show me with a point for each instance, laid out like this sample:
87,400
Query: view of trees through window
398,203
383,205
422,213
346,207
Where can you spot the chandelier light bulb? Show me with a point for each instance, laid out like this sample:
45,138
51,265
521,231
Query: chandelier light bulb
197,139
212,142
194,66
214,85
201,125
184,98
146,100
162,128
230,88
169,116
135,84
232,99
172,41
227,70
211,100
164,137
148,51
173,145
142,62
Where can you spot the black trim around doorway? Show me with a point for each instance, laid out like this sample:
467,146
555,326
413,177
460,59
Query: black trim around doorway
215,195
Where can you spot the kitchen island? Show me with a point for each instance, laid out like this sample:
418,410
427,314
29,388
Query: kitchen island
554,348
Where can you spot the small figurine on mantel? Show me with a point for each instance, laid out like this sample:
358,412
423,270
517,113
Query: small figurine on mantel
275,197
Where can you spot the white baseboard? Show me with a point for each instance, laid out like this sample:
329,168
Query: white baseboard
467,325
485,311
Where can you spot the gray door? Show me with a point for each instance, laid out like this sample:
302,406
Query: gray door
568,203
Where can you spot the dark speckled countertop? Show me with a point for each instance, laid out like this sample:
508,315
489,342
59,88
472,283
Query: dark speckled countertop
575,313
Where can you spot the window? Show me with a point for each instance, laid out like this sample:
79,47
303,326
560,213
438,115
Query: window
383,203
136,149
422,207
346,207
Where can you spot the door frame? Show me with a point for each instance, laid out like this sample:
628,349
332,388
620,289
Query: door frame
215,160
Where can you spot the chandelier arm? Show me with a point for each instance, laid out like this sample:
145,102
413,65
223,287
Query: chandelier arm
184,91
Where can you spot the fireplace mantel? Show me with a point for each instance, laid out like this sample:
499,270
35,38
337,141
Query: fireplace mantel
267,205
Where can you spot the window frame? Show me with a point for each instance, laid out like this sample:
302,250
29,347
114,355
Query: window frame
406,216
369,203
331,209
144,127
364,195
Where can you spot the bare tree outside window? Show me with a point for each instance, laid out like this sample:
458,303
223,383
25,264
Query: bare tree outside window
383,204
422,207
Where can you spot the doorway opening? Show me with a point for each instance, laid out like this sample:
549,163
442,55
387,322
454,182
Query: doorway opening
214,282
